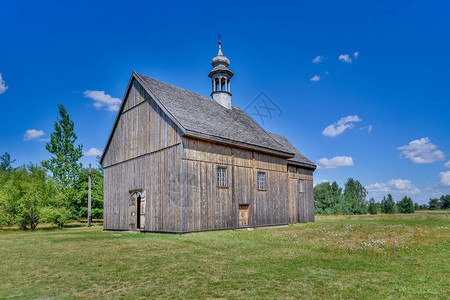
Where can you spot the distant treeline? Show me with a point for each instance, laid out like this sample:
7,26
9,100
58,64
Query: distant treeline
54,191
331,199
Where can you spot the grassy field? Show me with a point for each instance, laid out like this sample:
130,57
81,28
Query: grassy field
336,257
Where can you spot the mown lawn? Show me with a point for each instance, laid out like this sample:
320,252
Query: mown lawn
336,257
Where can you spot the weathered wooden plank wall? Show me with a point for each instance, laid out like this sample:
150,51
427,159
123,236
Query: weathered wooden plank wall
142,128
205,206
301,205
144,154
158,175
178,175
208,207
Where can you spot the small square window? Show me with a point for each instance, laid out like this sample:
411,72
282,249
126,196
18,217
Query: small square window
301,186
262,186
222,177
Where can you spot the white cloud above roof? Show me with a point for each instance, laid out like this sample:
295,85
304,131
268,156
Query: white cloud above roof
93,152
3,86
33,134
315,78
421,151
335,162
445,178
102,100
341,126
345,58
318,59
393,186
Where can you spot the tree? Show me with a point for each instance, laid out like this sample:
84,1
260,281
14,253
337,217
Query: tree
373,207
80,203
434,204
63,163
445,201
405,206
327,197
416,206
388,205
423,206
6,162
24,195
355,197
5,167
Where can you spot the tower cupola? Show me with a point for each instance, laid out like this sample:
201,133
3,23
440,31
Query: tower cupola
220,76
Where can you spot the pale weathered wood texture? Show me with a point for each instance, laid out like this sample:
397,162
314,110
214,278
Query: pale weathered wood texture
142,128
158,175
178,176
145,155
301,204
208,207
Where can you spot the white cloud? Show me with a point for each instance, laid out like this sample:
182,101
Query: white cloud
335,162
322,181
3,86
93,152
369,128
447,165
318,59
102,100
356,54
445,178
33,134
346,58
340,126
393,186
315,78
421,152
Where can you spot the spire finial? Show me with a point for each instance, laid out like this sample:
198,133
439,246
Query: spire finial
220,45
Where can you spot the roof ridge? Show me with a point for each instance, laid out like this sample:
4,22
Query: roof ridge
174,86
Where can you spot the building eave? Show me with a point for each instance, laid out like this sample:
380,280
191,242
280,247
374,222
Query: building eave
224,141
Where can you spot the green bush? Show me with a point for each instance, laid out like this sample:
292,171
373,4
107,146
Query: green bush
405,206
373,207
55,215
388,205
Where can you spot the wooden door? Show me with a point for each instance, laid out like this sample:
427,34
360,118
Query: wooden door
133,213
142,213
243,215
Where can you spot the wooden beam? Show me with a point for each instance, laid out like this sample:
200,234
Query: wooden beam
255,182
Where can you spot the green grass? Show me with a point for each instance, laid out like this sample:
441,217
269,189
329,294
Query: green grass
336,257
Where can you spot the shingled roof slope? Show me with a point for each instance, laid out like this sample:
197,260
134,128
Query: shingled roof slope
298,158
205,116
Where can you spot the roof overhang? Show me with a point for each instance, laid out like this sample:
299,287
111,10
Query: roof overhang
302,165
228,142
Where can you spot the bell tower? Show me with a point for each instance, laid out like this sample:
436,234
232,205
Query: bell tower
220,76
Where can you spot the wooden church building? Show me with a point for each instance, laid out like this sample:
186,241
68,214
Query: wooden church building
177,162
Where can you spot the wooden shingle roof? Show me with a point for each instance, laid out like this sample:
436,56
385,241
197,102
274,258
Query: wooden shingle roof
203,118
298,159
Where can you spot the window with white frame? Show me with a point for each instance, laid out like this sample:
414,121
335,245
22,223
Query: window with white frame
222,177
301,186
262,186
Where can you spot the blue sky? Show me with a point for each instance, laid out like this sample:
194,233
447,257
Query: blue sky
393,93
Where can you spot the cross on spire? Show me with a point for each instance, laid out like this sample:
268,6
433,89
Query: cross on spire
219,37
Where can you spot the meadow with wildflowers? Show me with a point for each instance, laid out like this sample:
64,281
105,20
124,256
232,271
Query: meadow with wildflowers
357,257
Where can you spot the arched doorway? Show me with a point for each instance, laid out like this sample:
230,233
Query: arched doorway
135,210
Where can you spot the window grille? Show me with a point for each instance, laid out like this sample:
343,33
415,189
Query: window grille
301,186
222,177
262,181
